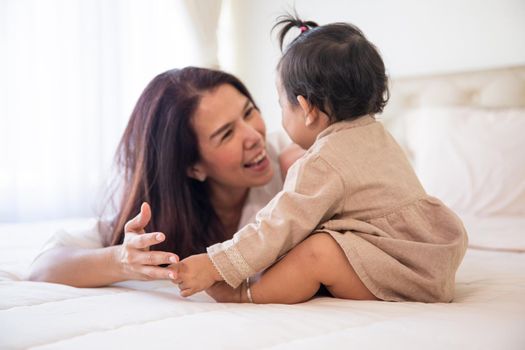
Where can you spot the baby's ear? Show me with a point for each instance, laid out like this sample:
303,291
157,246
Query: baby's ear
304,104
310,119
310,112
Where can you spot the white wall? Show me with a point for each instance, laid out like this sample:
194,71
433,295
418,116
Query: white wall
414,37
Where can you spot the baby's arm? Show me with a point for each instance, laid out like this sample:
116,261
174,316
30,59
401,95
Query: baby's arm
313,193
194,274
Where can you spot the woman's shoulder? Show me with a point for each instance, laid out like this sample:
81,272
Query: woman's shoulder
276,142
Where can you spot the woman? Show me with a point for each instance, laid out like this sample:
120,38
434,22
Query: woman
195,150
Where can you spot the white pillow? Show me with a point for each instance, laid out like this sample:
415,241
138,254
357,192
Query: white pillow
472,159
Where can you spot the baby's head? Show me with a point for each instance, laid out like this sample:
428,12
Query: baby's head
332,72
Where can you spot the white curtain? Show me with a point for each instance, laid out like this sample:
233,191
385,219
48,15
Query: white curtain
70,73
205,15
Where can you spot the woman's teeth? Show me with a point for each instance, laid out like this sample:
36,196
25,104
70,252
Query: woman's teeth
257,159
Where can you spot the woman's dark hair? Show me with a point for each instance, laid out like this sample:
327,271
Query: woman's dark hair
334,67
158,146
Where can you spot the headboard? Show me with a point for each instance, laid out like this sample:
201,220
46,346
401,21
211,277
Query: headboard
492,88
464,135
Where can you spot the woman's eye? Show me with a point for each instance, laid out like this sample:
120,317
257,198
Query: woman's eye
226,134
248,113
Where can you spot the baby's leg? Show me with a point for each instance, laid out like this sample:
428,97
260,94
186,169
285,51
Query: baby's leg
297,277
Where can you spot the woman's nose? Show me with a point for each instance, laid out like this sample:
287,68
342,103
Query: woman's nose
252,137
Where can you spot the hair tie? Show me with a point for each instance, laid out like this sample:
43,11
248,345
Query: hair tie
303,29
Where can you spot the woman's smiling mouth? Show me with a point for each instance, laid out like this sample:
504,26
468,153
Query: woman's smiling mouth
259,159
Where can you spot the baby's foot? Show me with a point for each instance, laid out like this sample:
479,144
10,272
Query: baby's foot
223,293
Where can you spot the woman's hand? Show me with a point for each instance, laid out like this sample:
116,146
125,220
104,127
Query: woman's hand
134,256
194,274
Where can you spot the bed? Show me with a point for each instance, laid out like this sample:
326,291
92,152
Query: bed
460,130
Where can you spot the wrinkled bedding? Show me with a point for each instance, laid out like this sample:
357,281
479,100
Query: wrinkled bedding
488,311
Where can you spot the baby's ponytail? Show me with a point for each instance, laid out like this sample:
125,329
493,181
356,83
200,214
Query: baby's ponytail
288,22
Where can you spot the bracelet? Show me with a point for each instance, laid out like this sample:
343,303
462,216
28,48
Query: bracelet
248,290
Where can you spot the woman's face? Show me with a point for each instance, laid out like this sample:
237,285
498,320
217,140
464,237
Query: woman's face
231,137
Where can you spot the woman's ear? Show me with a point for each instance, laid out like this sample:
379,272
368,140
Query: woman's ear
310,113
196,172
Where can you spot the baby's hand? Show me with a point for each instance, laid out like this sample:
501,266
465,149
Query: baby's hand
194,274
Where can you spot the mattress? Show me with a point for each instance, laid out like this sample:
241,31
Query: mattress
488,311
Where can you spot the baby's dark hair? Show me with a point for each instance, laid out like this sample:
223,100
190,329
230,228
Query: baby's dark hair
334,67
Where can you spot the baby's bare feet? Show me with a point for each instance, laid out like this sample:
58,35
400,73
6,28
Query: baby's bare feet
223,293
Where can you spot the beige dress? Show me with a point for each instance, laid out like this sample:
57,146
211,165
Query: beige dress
356,184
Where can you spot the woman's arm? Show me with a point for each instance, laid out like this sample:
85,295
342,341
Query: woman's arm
100,267
78,267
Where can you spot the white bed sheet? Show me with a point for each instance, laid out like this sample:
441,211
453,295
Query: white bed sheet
488,311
